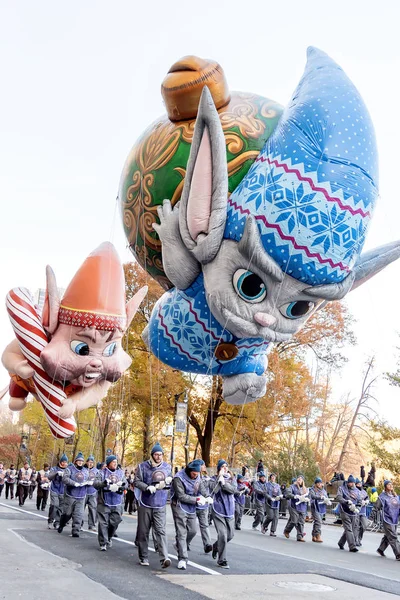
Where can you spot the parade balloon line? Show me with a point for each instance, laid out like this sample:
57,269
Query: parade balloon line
118,539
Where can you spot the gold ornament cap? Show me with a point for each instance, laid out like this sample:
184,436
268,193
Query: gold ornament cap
184,82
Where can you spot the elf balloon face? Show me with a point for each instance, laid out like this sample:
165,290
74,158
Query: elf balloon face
69,358
86,356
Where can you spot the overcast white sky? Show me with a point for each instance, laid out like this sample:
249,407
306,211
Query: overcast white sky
81,80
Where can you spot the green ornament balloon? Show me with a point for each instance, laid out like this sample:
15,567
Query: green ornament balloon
156,166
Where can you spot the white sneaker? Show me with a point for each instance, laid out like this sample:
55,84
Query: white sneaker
103,548
144,562
182,564
109,544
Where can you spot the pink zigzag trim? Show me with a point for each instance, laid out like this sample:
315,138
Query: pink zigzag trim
216,338
357,211
253,345
289,238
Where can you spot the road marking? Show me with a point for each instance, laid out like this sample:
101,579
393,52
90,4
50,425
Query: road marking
118,539
389,576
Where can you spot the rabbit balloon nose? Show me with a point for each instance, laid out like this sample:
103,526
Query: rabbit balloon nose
264,319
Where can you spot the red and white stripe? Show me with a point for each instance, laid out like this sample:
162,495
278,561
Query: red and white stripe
32,339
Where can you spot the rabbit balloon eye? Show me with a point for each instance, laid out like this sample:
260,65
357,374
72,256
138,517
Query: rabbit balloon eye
249,286
296,310
79,348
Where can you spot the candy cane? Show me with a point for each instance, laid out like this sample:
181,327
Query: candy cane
32,340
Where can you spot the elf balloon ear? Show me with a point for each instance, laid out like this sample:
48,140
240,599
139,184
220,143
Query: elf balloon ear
51,303
202,212
134,303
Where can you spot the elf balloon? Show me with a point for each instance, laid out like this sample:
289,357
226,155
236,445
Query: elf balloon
69,356
250,267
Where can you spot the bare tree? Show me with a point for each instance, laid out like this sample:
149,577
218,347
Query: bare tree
362,403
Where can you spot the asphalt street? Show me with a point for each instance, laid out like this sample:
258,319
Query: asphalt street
259,565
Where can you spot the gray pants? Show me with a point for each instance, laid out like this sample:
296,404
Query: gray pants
202,516
225,532
260,513
91,503
296,519
56,508
272,516
317,523
108,519
350,530
390,538
185,530
73,509
362,526
239,510
151,518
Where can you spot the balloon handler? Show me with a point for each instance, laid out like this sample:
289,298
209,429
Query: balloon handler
111,484
151,480
223,487
76,480
188,492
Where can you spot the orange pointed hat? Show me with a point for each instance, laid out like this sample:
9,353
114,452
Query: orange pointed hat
96,295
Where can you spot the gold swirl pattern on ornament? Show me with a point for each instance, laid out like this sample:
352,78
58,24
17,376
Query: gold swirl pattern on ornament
187,130
158,149
146,220
152,153
178,190
142,256
243,116
234,142
269,110
158,263
236,163
130,224
131,192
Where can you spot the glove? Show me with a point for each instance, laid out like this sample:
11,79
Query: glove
221,479
328,502
76,484
365,502
114,487
297,497
209,500
349,502
168,480
89,482
151,489
161,485
200,500
60,473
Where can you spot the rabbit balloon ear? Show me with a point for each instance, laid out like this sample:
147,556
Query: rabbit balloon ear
203,205
368,265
